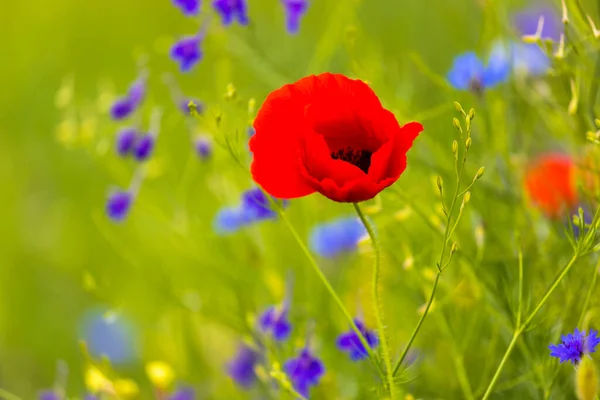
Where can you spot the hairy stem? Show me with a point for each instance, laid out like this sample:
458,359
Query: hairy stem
333,294
377,303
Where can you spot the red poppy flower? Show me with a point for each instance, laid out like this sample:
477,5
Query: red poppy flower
328,134
551,184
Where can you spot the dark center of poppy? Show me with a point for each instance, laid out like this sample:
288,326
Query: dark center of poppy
358,157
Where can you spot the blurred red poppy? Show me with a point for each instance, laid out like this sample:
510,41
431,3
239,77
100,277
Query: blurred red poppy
551,184
328,134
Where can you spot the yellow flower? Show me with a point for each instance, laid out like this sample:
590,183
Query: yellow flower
96,381
586,380
160,374
126,388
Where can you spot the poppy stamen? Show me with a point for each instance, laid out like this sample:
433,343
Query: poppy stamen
360,158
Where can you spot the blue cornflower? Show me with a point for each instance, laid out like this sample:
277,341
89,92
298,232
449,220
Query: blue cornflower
350,343
294,9
125,141
188,7
187,52
255,206
304,371
126,105
574,346
527,21
203,146
229,220
232,9
184,393
118,205
530,59
334,238
469,73
241,368
274,320
49,395
110,335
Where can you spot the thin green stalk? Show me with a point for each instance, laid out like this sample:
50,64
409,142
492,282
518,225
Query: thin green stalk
5,395
520,298
333,294
377,303
520,329
439,266
589,295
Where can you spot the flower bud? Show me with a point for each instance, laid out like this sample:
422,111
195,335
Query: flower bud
597,122
479,173
455,147
468,143
467,197
456,124
458,107
472,114
454,248
440,183
586,380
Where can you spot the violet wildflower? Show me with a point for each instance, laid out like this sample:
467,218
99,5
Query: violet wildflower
184,105
231,10
118,205
187,52
229,220
184,393
110,335
49,395
527,22
188,7
304,371
350,343
241,368
256,205
203,147
125,141
469,73
574,346
336,237
294,10
143,147
274,320
126,105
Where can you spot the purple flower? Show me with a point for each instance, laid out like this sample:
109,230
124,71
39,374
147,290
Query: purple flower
294,9
187,52
229,220
111,336
188,7
526,22
241,368
118,205
232,9
184,105
125,141
143,147
336,237
304,371
275,321
350,343
574,346
203,146
469,73
184,393
257,205
49,395
127,104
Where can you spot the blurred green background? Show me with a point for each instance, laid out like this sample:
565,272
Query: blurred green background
188,292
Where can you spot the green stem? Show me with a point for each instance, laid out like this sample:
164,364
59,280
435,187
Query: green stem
418,327
439,266
520,329
333,294
377,303
520,298
589,295
5,395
